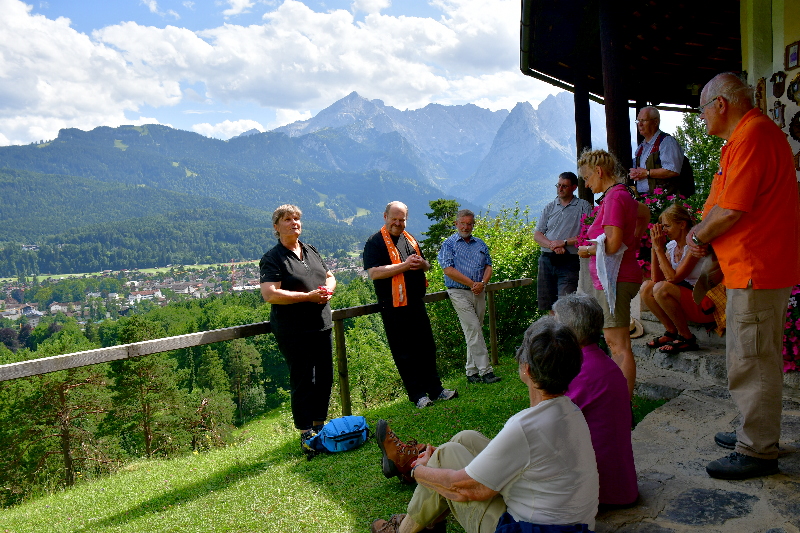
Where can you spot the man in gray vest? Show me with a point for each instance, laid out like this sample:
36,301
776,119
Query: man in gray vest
556,232
658,159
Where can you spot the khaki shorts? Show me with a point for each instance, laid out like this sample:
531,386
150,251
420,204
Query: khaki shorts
626,291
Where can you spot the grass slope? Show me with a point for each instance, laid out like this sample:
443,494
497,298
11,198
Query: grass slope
262,483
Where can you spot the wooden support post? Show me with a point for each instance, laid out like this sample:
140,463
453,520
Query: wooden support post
618,125
341,367
492,327
583,124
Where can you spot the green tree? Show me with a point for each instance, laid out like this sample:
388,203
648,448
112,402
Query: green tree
244,367
515,255
703,150
49,422
443,217
147,402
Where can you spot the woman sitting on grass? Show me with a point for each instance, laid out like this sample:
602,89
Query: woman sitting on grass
674,273
540,469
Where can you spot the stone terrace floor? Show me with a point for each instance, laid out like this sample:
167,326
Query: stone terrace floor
673,444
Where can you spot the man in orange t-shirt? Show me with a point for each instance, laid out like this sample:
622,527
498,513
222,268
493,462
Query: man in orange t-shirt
751,218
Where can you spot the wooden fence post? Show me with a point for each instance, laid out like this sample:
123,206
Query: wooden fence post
492,328
341,367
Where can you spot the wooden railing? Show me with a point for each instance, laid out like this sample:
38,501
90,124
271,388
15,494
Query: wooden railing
55,363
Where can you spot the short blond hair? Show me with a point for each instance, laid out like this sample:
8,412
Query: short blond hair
606,161
282,211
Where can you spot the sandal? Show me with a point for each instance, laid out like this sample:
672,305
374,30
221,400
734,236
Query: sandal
681,344
657,342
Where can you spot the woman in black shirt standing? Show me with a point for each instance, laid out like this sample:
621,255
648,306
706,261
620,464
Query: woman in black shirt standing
298,286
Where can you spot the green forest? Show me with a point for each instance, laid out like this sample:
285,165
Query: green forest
70,426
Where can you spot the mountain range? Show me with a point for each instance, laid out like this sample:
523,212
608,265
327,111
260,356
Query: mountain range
341,167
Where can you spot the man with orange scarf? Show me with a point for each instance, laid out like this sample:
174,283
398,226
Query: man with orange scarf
396,266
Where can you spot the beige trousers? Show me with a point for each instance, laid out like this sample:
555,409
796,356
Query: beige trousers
475,517
755,366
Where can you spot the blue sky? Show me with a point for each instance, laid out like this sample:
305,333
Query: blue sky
221,67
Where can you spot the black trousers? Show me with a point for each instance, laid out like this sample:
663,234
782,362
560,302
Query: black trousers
408,330
310,358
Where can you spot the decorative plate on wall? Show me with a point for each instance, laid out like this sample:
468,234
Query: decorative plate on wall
793,91
794,127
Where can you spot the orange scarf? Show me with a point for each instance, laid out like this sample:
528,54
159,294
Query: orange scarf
398,280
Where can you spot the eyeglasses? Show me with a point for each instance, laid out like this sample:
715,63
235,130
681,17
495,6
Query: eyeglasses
560,186
640,120
701,109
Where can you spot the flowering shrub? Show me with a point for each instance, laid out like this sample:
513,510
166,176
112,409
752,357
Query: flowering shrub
791,333
586,222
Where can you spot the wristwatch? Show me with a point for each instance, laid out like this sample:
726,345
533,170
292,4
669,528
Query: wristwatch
697,241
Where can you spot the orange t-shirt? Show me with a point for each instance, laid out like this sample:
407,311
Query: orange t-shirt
757,176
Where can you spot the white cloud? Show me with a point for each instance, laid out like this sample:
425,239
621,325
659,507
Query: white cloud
370,6
52,76
237,7
152,5
226,129
287,116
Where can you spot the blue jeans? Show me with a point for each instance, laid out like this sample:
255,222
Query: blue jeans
558,276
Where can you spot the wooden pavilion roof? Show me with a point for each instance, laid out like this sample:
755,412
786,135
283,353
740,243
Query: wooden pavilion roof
671,47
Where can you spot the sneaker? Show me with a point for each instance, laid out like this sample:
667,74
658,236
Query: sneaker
726,439
304,447
489,377
740,466
447,394
397,455
424,402
474,378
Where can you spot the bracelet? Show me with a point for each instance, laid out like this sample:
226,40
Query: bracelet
648,172
412,470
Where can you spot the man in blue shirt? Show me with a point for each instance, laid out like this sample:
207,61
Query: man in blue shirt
467,268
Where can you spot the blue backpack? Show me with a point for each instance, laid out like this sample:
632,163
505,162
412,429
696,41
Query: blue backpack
339,435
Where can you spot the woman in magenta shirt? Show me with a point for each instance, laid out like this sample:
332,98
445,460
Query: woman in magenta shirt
622,220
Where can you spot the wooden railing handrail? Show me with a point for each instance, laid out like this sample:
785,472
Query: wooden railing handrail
55,363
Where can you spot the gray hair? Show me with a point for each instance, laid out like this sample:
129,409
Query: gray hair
653,112
582,314
731,87
552,353
395,203
282,211
464,213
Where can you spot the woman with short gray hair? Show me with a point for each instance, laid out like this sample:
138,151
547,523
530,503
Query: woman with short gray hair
601,392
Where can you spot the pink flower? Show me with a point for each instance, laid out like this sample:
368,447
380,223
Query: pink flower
658,190
671,197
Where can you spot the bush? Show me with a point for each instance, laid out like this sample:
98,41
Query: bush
515,255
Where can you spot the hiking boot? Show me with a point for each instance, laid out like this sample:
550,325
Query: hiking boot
397,455
474,378
740,466
393,525
424,402
387,526
447,394
489,377
726,439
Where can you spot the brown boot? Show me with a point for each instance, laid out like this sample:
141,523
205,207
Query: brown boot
397,455
390,526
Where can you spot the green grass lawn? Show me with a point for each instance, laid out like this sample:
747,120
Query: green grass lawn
262,483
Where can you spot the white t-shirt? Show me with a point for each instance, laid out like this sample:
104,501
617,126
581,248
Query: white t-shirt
694,275
543,464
